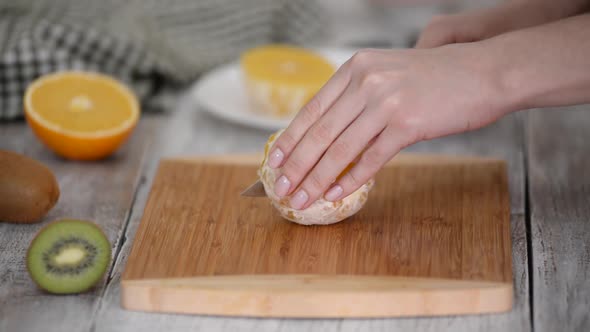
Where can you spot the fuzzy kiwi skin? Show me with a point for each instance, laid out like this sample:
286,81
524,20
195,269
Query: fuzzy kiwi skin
68,284
28,189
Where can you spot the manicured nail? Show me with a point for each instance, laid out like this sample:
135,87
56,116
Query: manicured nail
334,193
282,186
299,199
276,158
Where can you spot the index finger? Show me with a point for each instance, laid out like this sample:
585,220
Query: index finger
308,115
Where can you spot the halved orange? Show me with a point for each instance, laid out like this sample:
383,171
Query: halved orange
81,115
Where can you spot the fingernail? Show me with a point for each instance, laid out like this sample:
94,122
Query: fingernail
334,193
299,199
276,158
282,186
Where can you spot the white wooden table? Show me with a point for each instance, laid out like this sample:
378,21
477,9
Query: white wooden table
548,153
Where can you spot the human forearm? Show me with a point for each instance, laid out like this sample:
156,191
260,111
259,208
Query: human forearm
489,22
553,10
542,66
519,14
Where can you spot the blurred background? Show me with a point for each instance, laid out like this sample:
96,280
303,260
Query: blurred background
159,47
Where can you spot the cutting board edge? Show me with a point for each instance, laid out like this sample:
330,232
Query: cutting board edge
316,296
255,158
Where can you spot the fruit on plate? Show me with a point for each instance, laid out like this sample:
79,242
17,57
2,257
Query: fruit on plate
81,115
68,256
28,189
321,212
280,79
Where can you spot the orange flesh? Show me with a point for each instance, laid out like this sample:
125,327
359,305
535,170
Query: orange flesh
345,170
81,104
287,65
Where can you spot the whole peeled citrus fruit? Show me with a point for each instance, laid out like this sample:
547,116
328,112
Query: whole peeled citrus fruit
321,212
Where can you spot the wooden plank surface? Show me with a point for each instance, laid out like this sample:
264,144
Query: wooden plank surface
559,181
190,132
440,222
102,192
426,217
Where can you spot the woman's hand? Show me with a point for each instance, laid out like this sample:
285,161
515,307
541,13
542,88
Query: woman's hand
382,101
486,23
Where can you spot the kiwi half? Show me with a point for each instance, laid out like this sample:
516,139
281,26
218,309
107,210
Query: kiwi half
68,256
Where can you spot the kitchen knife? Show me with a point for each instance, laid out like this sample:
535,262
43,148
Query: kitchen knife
254,190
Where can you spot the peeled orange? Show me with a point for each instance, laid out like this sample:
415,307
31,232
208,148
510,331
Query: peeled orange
280,79
81,115
320,212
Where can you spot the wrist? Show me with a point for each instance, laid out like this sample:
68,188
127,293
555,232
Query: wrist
501,67
544,66
497,79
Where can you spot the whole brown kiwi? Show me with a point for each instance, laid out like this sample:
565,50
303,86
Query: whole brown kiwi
28,189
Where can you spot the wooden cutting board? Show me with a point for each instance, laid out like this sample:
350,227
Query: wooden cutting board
433,239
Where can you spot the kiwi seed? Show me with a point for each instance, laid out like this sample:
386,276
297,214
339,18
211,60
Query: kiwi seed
68,256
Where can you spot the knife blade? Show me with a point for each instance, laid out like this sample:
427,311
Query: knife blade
254,190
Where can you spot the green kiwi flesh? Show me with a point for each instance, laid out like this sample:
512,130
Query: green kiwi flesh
68,256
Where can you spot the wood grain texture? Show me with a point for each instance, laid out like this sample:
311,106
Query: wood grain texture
191,132
502,140
102,192
559,168
427,217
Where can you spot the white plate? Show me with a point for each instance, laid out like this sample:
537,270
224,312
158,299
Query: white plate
221,93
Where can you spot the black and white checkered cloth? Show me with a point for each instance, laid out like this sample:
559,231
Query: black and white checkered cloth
151,45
